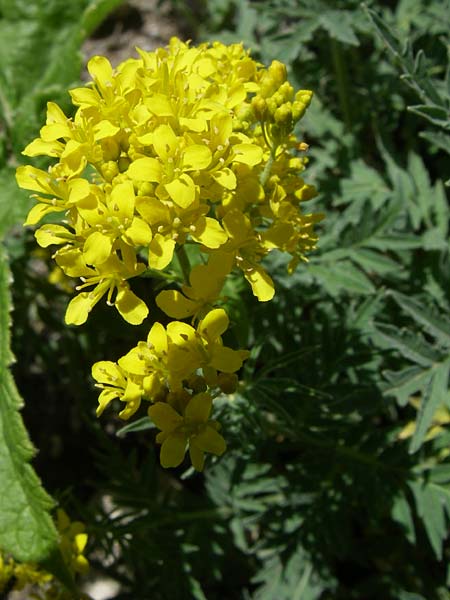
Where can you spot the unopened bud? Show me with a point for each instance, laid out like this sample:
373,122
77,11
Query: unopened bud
259,106
278,71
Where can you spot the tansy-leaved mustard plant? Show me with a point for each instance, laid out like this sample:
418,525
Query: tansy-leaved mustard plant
181,146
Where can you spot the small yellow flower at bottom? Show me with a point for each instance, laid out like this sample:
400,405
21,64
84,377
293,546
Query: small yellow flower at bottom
194,428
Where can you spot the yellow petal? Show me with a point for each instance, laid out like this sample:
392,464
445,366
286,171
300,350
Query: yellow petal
262,285
196,157
236,225
152,210
173,450
52,234
227,360
182,190
164,416
197,457
157,337
209,440
133,309
40,148
79,190
39,211
100,70
139,233
55,131
121,200
105,398
214,324
106,371
209,232
104,129
160,105
145,169
31,178
84,96
199,408
97,248
165,142
249,154
226,178
174,304
160,252
78,309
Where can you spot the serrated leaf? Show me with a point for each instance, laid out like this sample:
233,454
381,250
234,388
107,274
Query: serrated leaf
434,324
438,138
434,114
435,395
338,23
403,384
342,275
364,183
26,528
409,345
375,262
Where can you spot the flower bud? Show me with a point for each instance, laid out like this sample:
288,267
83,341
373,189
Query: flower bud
228,382
109,170
278,72
259,106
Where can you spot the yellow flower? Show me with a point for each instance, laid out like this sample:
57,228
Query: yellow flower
108,278
116,383
206,283
193,428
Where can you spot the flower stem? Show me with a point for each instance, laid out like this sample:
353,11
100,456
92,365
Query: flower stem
185,265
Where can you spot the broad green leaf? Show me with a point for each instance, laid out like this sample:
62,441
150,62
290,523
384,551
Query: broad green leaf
95,13
14,202
26,528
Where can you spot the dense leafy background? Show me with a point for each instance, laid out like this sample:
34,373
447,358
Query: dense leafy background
337,481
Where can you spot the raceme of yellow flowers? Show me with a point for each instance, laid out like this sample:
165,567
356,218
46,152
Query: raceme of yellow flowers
184,146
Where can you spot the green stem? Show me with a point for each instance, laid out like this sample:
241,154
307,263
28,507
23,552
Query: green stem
185,265
265,174
341,80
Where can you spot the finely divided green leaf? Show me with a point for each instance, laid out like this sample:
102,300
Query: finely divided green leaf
435,395
430,508
435,324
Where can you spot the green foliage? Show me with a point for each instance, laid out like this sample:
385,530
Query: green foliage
26,529
336,484
40,58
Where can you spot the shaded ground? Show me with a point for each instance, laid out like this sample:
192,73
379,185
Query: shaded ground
147,24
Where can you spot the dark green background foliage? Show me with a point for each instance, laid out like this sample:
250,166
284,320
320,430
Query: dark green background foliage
321,495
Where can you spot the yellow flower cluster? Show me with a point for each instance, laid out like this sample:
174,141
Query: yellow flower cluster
181,146
184,144
178,369
43,586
